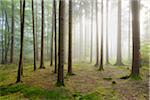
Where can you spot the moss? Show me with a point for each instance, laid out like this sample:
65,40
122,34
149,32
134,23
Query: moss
36,93
135,77
60,84
101,94
91,96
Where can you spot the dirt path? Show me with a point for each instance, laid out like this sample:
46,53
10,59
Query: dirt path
88,79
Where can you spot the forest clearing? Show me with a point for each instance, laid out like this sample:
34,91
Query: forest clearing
74,49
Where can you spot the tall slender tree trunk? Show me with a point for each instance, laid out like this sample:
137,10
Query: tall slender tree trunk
36,33
119,37
85,34
2,36
22,15
34,44
42,37
91,53
7,37
101,57
60,80
70,39
55,29
136,37
97,36
107,46
52,36
81,37
12,35
129,52
56,53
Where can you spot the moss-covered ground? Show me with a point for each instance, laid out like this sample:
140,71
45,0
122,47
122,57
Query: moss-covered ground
88,83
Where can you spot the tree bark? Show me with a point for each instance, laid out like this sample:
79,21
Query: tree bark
97,37
7,37
91,53
36,34
107,45
60,80
129,52
22,17
119,37
34,44
12,35
52,36
70,39
101,57
55,29
42,37
135,37
2,36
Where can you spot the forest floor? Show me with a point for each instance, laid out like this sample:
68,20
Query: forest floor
87,84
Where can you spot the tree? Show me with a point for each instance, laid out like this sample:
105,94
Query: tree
129,53
60,80
107,46
55,29
34,45
12,34
52,36
135,37
22,17
36,33
97,36
119,37
101,57
6,36
42,37
2,37
91,56
70,39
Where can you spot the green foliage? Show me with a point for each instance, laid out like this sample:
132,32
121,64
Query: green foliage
5,90
36,93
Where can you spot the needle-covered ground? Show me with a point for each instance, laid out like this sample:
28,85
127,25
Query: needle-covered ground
87,84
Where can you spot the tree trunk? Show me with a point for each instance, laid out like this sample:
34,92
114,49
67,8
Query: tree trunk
52,36
101,57
91,53
129,53
135,37
97,37
12,35
85,35
36,34
107,46
34,45
7,37
55,29
2,36
22,15
70,39
60,80
119,37
42,37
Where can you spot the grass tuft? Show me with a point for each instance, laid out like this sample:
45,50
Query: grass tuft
135,77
